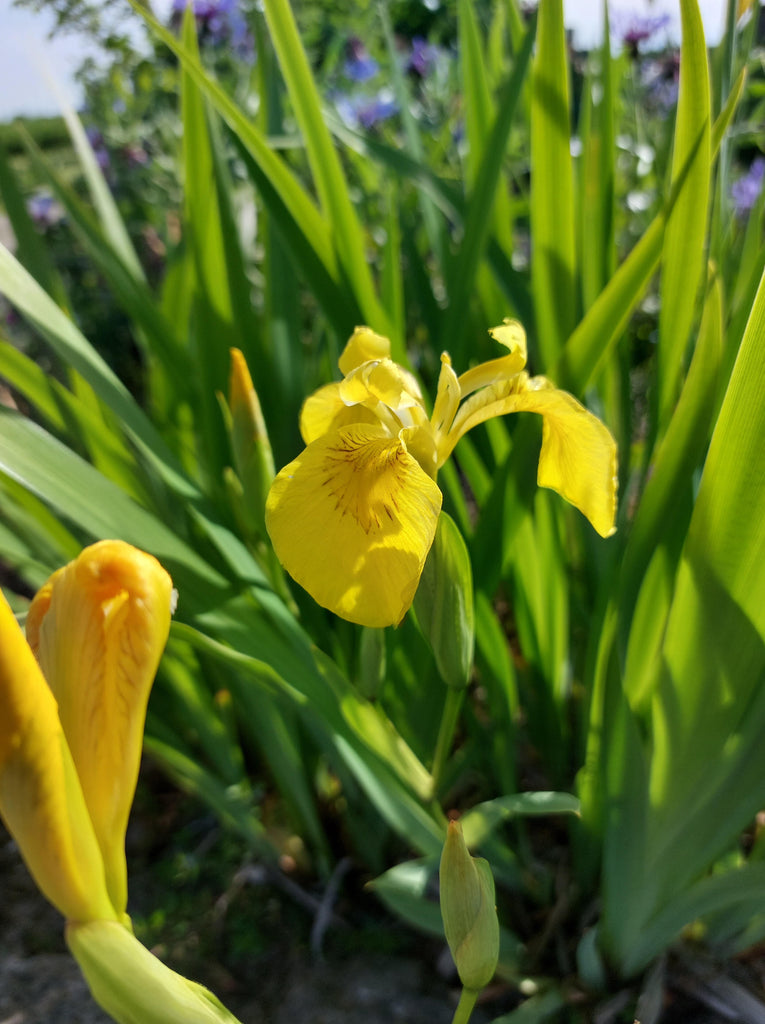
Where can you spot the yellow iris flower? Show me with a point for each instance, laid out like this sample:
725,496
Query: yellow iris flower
353,517
73,702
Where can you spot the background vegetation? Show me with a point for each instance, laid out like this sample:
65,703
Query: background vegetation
266,180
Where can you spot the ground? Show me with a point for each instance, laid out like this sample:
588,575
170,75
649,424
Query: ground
238,928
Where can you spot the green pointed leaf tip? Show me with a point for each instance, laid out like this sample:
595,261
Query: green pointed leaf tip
470,918
444,604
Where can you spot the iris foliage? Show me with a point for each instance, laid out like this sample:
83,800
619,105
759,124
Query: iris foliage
617,682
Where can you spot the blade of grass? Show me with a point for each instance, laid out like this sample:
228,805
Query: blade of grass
600,330
683,256
294,201
481,214
74,350
346,233
97,508
551,207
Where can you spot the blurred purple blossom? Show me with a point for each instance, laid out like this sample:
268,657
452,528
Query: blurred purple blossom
219,22
422,58
44,210
661,79
746,191
632,28
359,66
379,108
97,144
365,111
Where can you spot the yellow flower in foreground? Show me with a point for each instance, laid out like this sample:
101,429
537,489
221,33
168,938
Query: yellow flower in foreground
353,517
72,710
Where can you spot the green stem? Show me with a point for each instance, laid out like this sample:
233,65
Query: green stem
465,1006
449,717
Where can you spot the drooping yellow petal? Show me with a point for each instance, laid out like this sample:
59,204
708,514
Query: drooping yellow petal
362,346
41,800
578,457
352,520
98,628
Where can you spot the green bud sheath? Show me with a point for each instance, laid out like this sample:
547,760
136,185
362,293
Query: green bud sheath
132,985
468,911
444,604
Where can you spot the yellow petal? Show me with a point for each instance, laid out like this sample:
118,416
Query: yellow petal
578,458
326,410
447,398
362,346
352,520
98,628
382,381
41,800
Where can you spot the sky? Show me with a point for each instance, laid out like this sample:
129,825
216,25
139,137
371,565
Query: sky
28,58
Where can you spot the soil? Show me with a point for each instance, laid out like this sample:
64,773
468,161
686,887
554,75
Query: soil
243,931
262,969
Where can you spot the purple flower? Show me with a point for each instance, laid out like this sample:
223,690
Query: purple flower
359,66
379,108
746,191
44,210
97,144
219,22
422,58
634,29
365,111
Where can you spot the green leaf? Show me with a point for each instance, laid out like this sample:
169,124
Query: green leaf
294,202
486,211
480,821
551,207
661,521
328,175
599,332
97,507
30,246
716,631
109,216
75,351
683,255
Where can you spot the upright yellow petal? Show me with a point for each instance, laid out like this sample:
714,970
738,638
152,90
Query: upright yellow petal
362,346
352,520
98,629
41,801
510,334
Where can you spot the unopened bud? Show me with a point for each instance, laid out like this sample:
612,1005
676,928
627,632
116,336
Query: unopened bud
444,604
468,911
